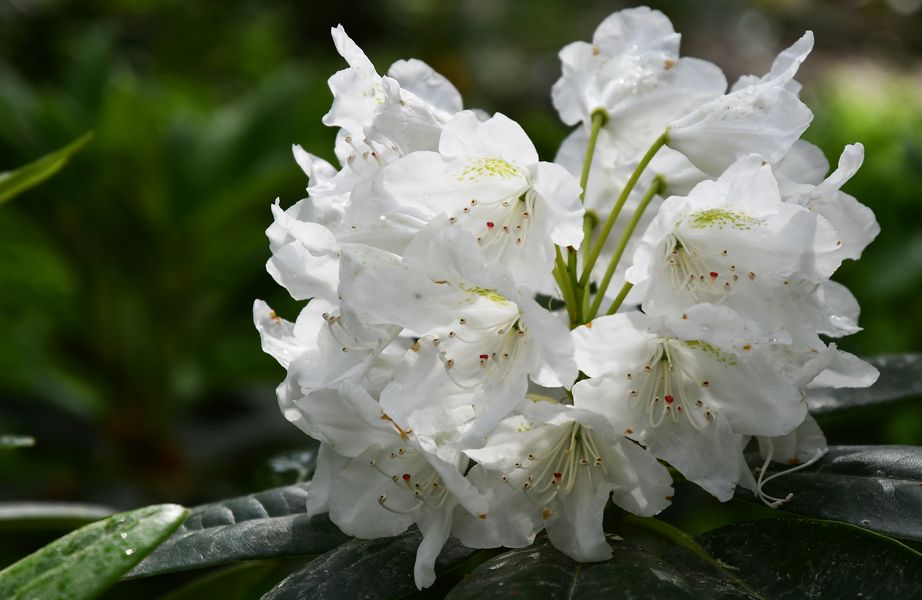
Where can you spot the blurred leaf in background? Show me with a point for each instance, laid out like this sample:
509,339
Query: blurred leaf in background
13,183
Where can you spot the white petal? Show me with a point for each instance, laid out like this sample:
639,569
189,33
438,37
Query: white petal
557,366
804,163
329,464
421,396
499,136
511,519
432,87
317,170
797,447
349,50
347,419
403,121
356,91
435,525
576,528
643,485
764,120
559,192
613,343
305,257
277,334
638,119
846,370
849,162
854,222
355,507
784,68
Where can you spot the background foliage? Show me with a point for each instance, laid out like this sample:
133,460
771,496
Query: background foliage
126,280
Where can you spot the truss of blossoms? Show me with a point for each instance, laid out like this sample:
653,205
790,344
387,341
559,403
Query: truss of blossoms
495,345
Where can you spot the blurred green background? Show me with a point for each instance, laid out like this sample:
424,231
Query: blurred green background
126,281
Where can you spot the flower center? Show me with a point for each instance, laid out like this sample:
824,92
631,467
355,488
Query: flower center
503,223
663,388
499,225
349,339
483,347
703,280
367,156
416,483
542,474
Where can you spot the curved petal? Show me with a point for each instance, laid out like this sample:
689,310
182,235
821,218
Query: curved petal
435,525
432,87
499,136
576,527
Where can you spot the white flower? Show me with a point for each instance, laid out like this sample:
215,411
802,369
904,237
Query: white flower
444,395
763,118
376,479
688,389
854,221
489,336
487,178
387,488
326,345
733,241
368,105
632,72
556,467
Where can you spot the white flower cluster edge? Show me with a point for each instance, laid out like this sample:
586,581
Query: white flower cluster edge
445,395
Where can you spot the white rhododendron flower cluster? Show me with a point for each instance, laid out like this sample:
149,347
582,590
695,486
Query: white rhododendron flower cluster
495,345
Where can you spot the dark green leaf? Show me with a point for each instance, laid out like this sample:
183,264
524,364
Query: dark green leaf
13,183
270,524
85,562
367,569
796,558
900,377
877,487
541,571
550,302
49,514
238,582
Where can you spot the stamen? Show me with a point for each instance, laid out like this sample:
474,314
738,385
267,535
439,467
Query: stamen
772,501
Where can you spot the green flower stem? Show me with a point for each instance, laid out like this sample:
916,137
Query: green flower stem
572,276
616,304
680,538
610,221
599,118
590,221
563,282
658,185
